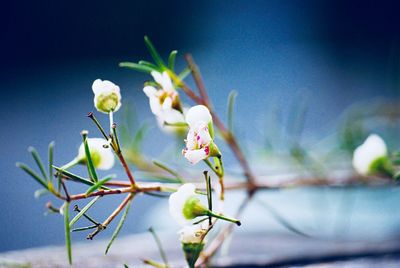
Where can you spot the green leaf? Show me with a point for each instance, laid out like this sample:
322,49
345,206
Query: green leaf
67,233
32,174
97,185
38,161
153,52
156,177
84,228
51,159
169,170
231,104
139,135
171,59
119,226
149,64
159,245
83,211
76,177
136,67
280,219
89,162
185,72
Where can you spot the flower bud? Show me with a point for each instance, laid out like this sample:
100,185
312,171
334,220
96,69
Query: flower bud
192,239
198,114
371,157
107,96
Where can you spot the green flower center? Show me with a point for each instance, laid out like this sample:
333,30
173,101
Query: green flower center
107,102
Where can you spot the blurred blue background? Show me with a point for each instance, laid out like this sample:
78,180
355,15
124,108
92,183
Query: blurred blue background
338,52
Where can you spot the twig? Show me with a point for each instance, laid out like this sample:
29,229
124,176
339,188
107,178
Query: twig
217,242
227,135
197,78
110,218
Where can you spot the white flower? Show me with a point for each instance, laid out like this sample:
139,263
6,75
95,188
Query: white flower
368,153
164,102
163,80
198,114
199,143
107,96
192,234
184,205
102,158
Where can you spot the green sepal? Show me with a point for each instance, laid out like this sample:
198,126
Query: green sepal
192,252
381,165
193,208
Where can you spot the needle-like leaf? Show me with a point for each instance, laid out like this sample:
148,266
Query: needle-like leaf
120,224
33,174
231,104
38,161
51,159
83,211
67,233
136,67
149,64
169,170
159,245
153,52
89,161
84,228
97,185
185,72
171,60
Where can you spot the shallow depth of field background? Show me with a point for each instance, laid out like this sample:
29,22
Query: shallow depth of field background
333,52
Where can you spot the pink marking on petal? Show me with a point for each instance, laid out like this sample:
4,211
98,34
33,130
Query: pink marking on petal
207,150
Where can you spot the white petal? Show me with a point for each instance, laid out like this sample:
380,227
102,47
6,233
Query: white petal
177,201
191,140
195,156
167,104
96,147
204,135
150,91
157,77
167,83
197,114
373,148
173,116
155,105
192,234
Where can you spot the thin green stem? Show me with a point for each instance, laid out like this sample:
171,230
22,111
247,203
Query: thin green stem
159,245
222,217
97,123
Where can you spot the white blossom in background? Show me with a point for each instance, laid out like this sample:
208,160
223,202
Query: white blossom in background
101,154
367,154
164,101
107,96
184,204
199,143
